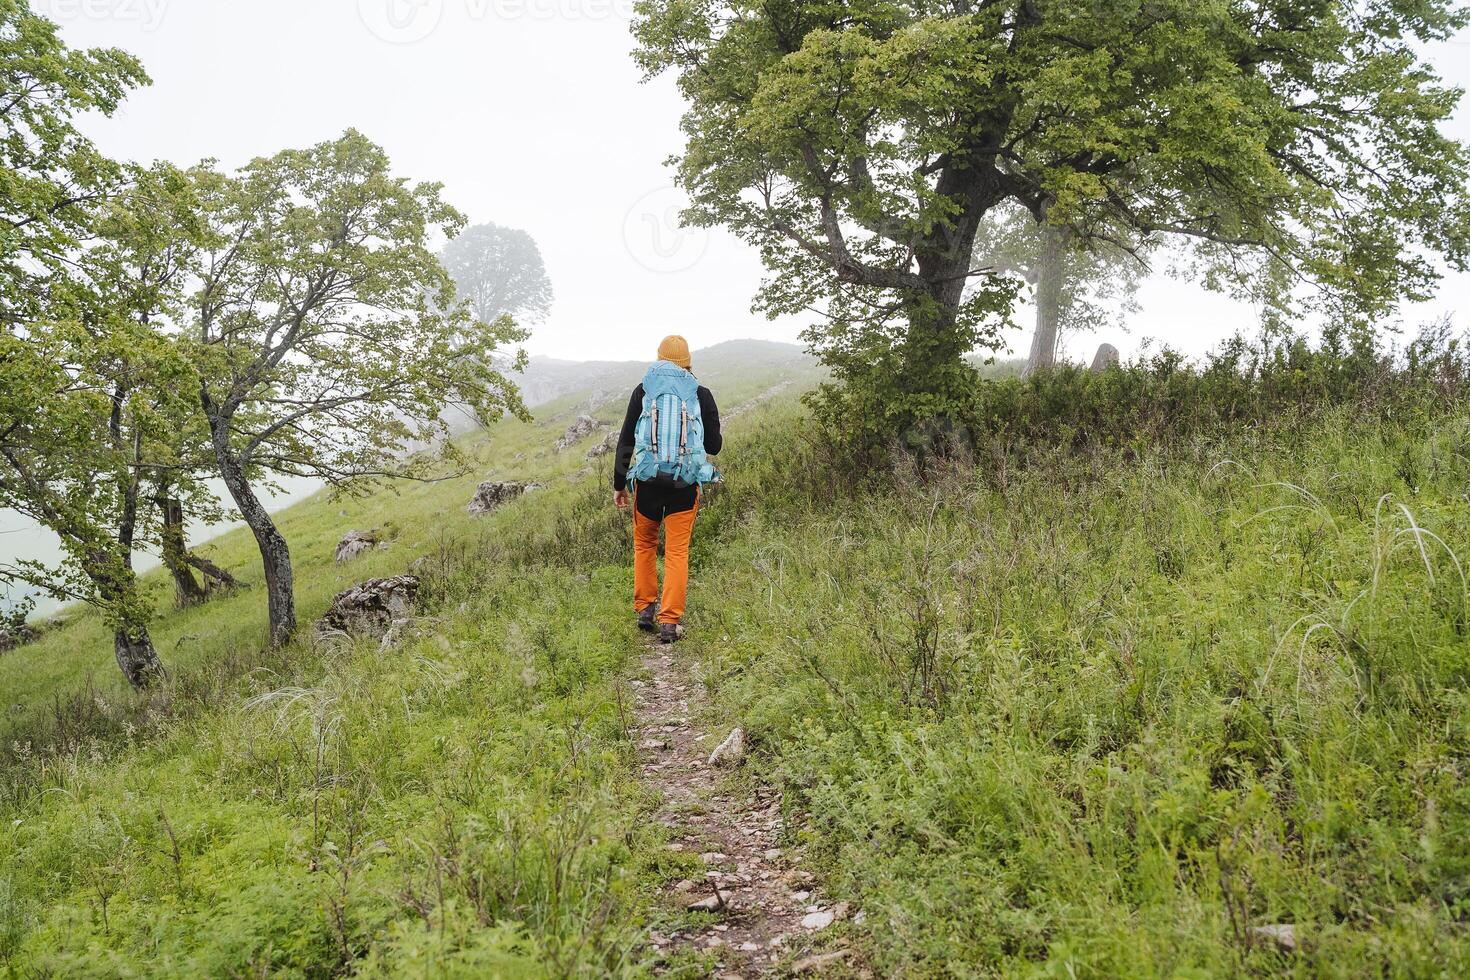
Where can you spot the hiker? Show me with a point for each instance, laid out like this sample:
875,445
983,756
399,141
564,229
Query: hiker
671,425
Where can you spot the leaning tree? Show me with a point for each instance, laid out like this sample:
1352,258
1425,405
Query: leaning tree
88,407
860,144
326,333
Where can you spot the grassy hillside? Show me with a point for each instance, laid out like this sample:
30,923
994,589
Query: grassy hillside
1113,713
1073,712
317,808
74,663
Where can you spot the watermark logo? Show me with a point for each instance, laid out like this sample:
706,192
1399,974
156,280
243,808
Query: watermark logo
411,21
401,21
147,14
656,237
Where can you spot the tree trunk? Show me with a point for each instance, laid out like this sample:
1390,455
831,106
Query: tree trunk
131,644
275,556
188,590
137,657
1050,280
117,588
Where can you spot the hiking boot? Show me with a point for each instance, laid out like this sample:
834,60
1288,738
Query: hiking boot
646,619
670,632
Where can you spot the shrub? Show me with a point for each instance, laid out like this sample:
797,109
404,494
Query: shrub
1274,382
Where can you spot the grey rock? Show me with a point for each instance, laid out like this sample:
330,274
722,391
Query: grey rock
371,608
1106,357
492,493
577,431
607,445
730,751
354,544
10,638
1283,934
712,904
817,920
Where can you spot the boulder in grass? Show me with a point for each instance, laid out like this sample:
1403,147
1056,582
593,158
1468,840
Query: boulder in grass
370,608
730,751
355,544
607,445
1283,934
577,431
1106,357
17,636
492,493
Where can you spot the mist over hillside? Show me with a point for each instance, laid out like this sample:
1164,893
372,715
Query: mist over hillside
546,379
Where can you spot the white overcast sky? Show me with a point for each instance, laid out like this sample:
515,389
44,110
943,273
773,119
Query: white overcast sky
532,114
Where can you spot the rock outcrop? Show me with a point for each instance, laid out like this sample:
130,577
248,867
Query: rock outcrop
354,544
492,493
370,608
577,431
12,637
607,445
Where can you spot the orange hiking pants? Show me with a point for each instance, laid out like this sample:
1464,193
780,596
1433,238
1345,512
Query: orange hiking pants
678,528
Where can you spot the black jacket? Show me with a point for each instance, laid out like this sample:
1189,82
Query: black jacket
654,500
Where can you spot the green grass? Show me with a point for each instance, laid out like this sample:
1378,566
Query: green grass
460,804
1073,713
212,643
1098,714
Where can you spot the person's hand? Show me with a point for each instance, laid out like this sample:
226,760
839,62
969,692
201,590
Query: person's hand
620,499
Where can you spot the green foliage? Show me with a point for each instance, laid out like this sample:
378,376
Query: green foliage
83,411
860,145
328,335
51,176
99,415
1274,383
85,389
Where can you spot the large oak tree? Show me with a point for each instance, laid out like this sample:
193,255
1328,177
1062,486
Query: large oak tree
860,143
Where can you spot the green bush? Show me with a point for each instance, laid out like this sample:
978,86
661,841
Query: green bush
1273,383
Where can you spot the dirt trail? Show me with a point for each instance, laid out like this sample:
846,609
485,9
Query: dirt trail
769,915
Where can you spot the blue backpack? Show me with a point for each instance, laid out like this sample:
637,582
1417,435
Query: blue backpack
668,443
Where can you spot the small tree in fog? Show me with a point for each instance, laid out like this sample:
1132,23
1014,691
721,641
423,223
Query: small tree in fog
1080,276
500,273
327,334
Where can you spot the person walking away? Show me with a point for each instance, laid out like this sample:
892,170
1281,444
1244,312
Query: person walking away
671,428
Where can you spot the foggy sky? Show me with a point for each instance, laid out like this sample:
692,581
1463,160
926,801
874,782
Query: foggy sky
532,114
